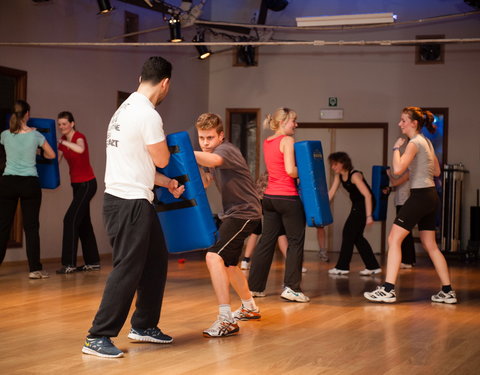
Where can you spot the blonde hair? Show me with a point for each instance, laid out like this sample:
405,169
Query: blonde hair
207,121
280,115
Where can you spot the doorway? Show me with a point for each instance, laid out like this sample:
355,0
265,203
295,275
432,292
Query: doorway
13,86
355,139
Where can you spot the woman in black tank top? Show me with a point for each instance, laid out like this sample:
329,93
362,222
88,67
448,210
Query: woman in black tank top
360,215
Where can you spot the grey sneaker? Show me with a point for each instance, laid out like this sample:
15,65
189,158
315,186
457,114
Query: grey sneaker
222,327
38,275
381,295
336,271
101,347
293,296
323,255
442,297
154,335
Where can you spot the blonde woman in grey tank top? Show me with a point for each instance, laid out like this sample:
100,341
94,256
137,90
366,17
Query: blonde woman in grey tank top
419,158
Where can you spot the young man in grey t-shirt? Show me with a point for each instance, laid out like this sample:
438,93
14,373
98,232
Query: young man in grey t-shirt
242,212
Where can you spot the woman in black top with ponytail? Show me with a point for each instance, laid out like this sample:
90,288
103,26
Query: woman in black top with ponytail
360,215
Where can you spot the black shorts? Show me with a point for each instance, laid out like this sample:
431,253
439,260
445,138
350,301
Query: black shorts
231,236
420,208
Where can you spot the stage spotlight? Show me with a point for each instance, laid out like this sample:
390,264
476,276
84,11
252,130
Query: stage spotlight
175,29
203,51
104,6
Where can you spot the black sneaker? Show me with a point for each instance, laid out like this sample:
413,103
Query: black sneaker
89,267
66,269
101,347
149,335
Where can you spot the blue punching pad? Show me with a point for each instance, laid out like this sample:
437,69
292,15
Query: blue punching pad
47,169
187,222
380,181
313,184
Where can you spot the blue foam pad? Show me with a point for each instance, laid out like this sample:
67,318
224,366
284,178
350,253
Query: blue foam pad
187,222
47,169
380,181
313,184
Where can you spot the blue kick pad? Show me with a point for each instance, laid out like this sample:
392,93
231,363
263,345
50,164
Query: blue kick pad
187,222
47,169
313,184
380,181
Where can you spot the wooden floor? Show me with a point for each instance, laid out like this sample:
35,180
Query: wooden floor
43,324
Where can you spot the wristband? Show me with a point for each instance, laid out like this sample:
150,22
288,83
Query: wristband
396,148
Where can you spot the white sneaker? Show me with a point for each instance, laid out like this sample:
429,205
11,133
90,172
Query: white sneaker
258,294
381,295
38,275
442,297
304,270
367,272
245,265
323,255
292,296
336,271
221,327
405,266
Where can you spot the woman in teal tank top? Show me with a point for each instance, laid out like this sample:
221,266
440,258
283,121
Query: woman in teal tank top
20,181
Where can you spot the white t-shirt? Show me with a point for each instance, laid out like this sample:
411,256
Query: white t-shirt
130,171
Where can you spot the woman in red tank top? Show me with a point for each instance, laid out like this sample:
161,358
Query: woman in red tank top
282,209
76,223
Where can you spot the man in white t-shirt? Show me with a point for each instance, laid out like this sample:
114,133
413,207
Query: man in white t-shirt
136,144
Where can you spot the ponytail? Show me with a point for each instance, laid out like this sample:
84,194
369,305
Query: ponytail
281,114
20,110
428,121
423,118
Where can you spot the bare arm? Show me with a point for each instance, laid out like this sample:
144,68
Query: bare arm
396,181
48,152
208,159
401,163
357,179
286,147
159,153
78,147
170,183
334,187
206,177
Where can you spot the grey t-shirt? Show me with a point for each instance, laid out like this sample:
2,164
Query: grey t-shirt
239,196
422,166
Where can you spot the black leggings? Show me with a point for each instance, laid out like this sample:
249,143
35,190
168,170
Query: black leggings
27,189
280,213
77,224
352,235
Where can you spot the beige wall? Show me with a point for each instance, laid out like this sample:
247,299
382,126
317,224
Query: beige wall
372,84
85,81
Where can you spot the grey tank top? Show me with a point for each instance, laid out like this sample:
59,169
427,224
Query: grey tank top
422,166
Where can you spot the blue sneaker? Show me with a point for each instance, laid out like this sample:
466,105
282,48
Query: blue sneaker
149,335
101,347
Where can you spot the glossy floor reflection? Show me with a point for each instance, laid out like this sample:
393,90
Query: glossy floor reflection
43,324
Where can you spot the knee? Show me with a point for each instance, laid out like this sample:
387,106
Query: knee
212,258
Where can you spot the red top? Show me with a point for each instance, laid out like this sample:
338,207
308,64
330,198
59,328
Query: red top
80,168
279,182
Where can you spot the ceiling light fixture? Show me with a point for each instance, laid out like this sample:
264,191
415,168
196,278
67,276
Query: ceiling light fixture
175,29
203,51
104,6
346,19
